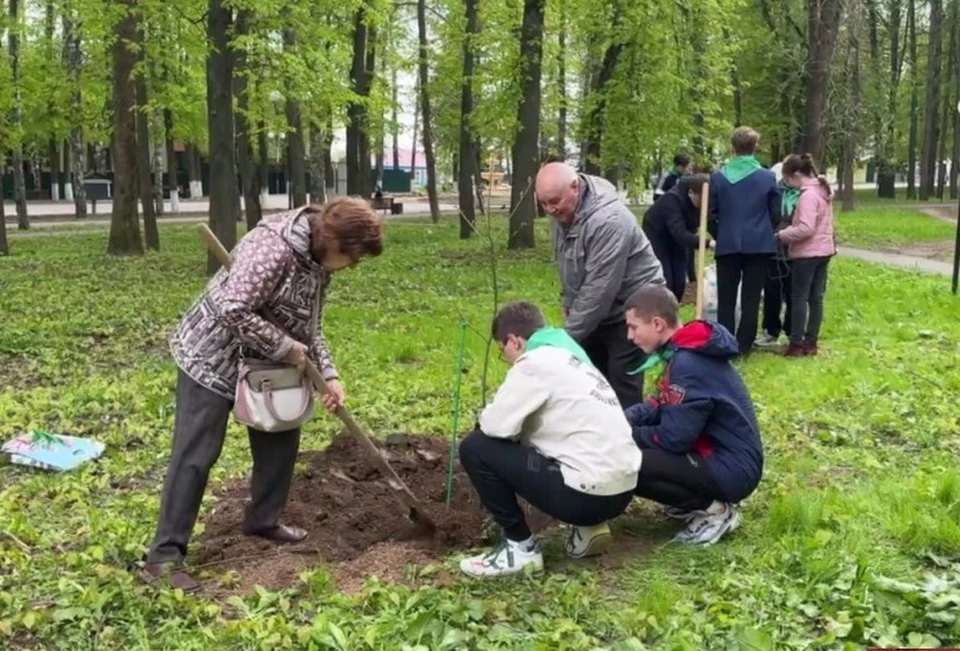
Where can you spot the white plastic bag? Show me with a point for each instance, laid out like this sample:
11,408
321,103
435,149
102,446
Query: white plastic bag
711,301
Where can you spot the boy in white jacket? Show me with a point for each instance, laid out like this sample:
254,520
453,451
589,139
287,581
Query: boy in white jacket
555,435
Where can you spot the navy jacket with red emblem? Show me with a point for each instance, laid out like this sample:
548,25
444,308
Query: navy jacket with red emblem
704,407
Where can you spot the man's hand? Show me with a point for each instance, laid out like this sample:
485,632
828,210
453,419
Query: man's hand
335,397
297,356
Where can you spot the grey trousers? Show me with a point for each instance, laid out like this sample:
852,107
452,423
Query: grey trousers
199,429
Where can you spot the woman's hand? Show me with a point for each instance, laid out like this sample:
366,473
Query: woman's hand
334,398
297,356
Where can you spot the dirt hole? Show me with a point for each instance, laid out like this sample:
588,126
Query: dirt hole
357,527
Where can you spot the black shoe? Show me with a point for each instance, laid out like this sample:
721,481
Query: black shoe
281,533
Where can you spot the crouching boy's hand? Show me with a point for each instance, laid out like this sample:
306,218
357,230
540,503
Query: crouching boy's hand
640,414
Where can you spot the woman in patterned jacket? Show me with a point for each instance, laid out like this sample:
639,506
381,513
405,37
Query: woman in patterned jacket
282,266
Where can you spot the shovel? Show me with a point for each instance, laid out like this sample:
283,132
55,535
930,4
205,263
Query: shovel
416,512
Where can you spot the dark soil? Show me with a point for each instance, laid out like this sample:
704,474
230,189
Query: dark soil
357,525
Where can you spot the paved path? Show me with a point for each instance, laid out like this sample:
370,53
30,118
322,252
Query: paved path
53,211
923,265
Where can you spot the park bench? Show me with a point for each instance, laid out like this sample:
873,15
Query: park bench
386,204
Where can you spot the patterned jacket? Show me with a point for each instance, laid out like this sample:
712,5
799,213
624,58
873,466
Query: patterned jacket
272,270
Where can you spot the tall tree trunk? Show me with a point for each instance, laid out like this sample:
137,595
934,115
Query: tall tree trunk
144,178
823,25
318,178
19,183
853,111
4,245
158,156
53,153
193,170
946,110
424,78
526,155
886,172
328,154
955,113
223,163
173,185
245,157
467,156
416,127
394,121
295,146
53,146
124,222
381,126
263,166
562,84
914,101
596,115
358,139
928,156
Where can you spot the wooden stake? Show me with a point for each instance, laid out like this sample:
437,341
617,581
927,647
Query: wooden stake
702,257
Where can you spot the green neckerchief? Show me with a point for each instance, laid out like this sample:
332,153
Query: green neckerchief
740,168
558,338
789,201
662,356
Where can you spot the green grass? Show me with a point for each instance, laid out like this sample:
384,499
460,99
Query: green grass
876,228
860,498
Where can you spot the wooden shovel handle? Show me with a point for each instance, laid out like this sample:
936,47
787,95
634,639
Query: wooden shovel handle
702,252
218,250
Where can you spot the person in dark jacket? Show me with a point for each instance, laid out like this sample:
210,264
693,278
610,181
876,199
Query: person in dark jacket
776,290
744,204
671,225
681,163
702,452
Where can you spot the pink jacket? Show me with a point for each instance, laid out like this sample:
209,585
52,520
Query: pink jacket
810,235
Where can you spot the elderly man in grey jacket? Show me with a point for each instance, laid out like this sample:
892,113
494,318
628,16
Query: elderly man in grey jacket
603,257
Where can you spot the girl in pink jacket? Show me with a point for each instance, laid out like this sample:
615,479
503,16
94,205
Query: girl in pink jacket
811,245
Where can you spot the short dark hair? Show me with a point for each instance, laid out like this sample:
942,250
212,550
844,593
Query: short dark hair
520,319
694,182
681,160
654,301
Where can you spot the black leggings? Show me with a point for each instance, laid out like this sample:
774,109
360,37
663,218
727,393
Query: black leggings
501,470
680,480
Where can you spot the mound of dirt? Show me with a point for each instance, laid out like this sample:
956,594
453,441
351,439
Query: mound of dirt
357,525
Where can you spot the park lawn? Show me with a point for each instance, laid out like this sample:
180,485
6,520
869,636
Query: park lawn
878,228
852,540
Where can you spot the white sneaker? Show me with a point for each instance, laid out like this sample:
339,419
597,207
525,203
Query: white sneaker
716,520
506,558
584,542
767,340
676,513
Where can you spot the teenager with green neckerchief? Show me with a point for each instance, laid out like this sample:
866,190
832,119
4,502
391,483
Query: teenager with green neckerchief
744,204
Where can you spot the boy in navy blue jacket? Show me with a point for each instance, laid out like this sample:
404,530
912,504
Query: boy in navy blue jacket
700,440
744,208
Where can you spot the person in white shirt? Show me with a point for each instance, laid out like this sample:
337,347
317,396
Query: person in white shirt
555,435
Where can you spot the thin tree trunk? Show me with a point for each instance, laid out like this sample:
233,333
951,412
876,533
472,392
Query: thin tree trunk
416,126
124,223
295,145
394,121
144,180
886,173
596,116
562,84
157,167
928,156
263,167
4,245
318,178
223,163
914,101
526,158
426,112
358,139
380,142
19,183
173,184
328,155
245,157
853,111
467,156
955,114
823,25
